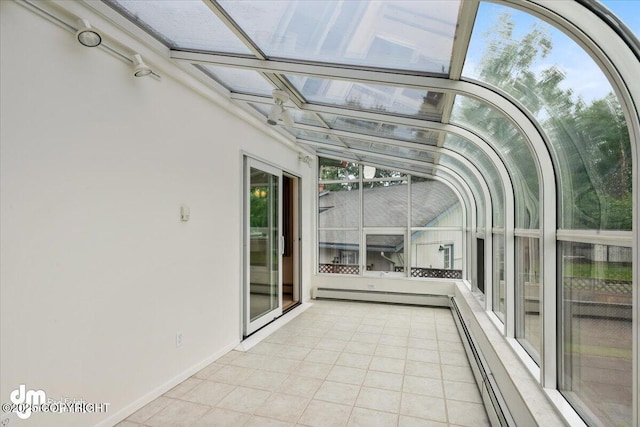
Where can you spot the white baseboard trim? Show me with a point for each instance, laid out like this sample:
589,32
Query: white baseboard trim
123,413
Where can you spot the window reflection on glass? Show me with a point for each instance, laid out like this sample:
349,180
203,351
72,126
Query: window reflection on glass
385,253
596,354
528,295
387,34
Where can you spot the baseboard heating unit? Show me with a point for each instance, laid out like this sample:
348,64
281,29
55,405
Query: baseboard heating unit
493,400
381,296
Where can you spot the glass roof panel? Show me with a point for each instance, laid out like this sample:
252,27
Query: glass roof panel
385,33
565,90
315,137
304,117
334,153
391,150
181,24
385,130
237,80
510,145
376,98
298,116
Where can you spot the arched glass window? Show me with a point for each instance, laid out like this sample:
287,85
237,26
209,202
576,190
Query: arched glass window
511,146
572,100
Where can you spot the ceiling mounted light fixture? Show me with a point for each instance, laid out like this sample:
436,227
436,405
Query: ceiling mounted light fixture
140,69
278,113
86,35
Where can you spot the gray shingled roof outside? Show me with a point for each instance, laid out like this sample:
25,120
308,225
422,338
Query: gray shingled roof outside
384,207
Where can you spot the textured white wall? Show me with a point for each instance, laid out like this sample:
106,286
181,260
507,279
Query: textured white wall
97,271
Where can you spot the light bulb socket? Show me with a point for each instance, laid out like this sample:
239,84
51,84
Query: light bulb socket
140,69
86,35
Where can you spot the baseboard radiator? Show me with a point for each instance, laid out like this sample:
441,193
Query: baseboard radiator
381,296
494,402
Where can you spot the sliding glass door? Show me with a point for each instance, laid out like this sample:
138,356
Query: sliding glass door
263,245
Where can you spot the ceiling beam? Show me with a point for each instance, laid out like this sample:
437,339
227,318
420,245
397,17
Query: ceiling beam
391,77
466,21
464,27
481,141
345,112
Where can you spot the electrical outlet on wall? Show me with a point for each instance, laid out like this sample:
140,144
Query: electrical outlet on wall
371,286
179,339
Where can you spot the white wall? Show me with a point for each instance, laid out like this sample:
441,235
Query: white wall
97,271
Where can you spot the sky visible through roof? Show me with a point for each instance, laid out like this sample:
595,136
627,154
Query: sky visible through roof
582,74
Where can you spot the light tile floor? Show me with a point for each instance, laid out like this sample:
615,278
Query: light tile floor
337,364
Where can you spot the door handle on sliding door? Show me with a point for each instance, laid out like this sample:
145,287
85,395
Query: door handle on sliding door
281,245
